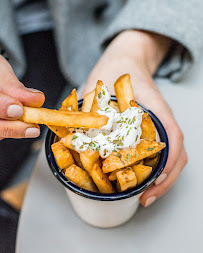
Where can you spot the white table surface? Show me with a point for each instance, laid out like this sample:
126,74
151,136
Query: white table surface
172,224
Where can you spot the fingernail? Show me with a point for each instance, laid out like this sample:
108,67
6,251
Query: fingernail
14,111
160,179
149,201
34,90
32,132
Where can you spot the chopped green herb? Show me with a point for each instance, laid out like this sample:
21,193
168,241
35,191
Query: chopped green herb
99,95
136,138
128,132
119,155
128,157
122,161
109,102
72,146
74,137
150,149
118,142
92,144
97,148
103,92
105,151
107,109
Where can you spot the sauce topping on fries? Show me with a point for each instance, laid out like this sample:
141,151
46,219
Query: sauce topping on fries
122,130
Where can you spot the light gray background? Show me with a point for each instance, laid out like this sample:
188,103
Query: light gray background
172,224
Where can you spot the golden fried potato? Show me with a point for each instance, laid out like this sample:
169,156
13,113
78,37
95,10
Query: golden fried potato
61,132
112,175
127,157
62,155
124,92
142,172
67,141
133,103
63,118
147,125
76,157
95,106
87,101
152,162
148,128
88,159
114,105
70,102
101,180
126,179
80,177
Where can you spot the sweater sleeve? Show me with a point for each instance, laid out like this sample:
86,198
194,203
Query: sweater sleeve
181,21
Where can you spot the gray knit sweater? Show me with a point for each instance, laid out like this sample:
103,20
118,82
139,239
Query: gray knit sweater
83,28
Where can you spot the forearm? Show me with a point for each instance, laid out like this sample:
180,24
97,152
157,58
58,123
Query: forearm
146,48
135,52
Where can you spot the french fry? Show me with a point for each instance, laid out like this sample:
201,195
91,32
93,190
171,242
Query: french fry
88,159
67,141
101,180
133,103
126,179
152,162
61,118
61,132
70,102
142,172
114,105
87,102
95,106
128,157
76,157
148,128
124,92
80,178
147,125
62,155
112,175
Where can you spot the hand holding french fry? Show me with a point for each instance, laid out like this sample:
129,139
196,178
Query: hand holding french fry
13,96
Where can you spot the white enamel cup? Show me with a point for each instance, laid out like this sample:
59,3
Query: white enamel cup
107,210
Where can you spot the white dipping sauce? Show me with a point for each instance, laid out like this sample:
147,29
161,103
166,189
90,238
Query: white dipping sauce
121,131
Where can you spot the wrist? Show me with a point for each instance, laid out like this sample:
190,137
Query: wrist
146,48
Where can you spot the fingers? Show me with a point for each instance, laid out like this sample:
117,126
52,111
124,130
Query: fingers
156,191
10,108
27,96
175,136
175,147
10,85
18,129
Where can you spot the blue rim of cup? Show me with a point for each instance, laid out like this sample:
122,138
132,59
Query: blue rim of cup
114,196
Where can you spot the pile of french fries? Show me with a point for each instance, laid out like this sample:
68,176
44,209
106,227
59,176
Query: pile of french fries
118,172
